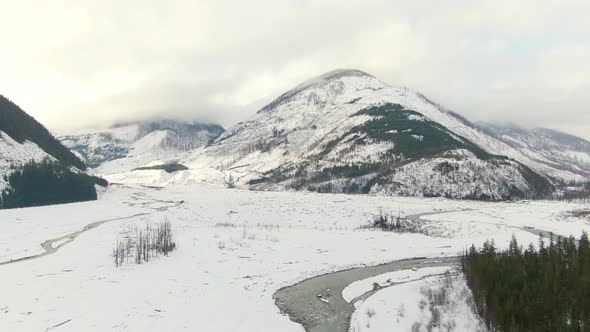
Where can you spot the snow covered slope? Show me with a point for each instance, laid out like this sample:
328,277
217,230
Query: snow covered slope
23,139
346,131
546,146
14,154
125,147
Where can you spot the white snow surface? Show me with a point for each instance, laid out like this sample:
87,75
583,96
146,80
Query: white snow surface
236,248
363,286
399,308
12,153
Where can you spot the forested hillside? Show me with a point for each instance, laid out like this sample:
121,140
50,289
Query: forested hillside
544,289
22,127
45,183
35,168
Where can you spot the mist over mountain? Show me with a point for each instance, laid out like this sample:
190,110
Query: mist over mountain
343,131
347,131
125,146
547,146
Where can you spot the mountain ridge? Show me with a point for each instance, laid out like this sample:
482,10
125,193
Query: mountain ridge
548,146
22,127
347,131
328,134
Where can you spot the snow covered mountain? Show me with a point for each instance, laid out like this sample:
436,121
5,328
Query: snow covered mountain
35,168
125,147
23,139
14,154
346,131
546,146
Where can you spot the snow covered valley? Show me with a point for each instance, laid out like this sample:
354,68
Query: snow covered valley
237,249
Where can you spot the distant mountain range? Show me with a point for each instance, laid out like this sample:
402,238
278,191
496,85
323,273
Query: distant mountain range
125,147
546,146
347,131
344,131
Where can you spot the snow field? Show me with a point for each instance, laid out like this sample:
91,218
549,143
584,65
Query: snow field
361,287
407,307
236,248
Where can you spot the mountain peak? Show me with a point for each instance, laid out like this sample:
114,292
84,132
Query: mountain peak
338,73
315,82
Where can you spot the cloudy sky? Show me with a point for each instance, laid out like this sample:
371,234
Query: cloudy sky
87,63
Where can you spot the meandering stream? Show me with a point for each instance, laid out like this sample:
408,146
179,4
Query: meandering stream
51,246
330,312
303,306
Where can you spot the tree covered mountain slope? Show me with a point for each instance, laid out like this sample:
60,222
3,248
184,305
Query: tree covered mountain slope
14,154
346,131
124,147
35,168
20,128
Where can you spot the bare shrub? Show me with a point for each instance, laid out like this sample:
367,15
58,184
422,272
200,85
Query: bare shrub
401,311
225,225
388,221
578,194
370,312
581,213
230,182
383,220
145,244
422,304
441,300
436,316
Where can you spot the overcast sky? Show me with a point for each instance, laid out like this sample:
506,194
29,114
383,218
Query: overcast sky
87,63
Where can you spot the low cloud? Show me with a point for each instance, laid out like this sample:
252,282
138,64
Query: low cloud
84,63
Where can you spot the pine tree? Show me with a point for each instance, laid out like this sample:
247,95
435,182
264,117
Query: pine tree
530,290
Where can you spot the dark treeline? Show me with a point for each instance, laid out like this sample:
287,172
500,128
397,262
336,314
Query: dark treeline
545,289
47,182
22,127
580,194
